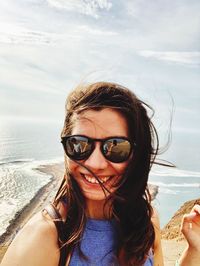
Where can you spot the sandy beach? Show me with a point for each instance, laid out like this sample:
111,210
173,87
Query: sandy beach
42,199
172,241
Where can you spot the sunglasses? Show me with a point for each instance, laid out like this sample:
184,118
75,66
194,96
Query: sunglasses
114,149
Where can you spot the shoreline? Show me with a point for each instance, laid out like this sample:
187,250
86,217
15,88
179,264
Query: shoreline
172,246
42,198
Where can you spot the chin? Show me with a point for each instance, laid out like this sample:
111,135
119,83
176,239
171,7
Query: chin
100,196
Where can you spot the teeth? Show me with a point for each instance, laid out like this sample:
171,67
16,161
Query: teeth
105,179
94,181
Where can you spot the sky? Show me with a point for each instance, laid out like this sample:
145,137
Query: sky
47,47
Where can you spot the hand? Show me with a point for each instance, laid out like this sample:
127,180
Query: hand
190,227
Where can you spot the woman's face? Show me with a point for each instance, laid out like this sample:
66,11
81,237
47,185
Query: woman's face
98,125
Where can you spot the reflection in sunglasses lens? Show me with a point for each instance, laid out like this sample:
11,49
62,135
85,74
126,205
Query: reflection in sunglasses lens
115,149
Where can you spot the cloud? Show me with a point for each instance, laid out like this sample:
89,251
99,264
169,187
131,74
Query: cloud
187,58
95,31
26,37
164,25
18,33
87,7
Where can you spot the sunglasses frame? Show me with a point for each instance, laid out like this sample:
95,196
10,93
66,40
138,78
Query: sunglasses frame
93,140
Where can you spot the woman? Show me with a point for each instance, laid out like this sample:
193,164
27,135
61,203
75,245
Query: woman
102,211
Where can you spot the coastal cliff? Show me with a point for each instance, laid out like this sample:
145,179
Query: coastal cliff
172,228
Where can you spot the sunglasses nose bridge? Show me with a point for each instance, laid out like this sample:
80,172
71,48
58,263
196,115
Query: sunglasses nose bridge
96,160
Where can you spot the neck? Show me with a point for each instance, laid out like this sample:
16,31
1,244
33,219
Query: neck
98,209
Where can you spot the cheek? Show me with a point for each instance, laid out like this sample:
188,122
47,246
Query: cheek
70,165
120,167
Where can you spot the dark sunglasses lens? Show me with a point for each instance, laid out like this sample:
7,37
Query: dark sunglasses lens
78,148
117,150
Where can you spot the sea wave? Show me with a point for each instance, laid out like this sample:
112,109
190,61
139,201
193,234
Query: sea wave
175,185
31,162
18,161
20,181
169,191
176,172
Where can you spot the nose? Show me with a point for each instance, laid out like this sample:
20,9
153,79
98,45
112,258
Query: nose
96,161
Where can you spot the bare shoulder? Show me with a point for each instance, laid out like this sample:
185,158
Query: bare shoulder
155,219
156,224
158,254
35,244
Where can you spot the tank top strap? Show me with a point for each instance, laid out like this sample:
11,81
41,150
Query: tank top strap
57,219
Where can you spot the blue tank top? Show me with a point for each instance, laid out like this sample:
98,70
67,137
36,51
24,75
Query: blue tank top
99,243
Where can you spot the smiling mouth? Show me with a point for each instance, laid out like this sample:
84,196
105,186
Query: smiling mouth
93,180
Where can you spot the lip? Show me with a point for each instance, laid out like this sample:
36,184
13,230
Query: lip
100,177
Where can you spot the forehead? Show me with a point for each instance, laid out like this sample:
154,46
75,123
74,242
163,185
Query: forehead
100,124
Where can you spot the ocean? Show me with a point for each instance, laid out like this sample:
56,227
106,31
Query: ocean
176,186
27,144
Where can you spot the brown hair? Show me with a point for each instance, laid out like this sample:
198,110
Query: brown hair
131,202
